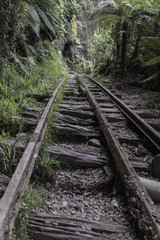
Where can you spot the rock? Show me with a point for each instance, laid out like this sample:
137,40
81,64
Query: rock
97,212
94,142
156,166
4,181
119,86
22,135
89,209
48,185
55,207
73,212
64,204
49,203
75,205
140,151
115,203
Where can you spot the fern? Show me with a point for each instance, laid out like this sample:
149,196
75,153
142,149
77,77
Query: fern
111,18
16,59
34,19
152,40
152,78
45,20
153,61
104,4
32,49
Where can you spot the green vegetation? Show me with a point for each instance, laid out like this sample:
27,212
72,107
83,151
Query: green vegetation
127,38
35,35
8,158
46,163
30,61
15,84
32,201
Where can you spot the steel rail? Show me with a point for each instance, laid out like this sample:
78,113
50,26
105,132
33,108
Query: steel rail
141,205
141,124
12,197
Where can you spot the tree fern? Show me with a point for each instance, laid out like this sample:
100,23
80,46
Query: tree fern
34,19
109,3
17,60
45,19
154,61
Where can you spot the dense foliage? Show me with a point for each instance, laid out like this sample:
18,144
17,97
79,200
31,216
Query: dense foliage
30,59
129,33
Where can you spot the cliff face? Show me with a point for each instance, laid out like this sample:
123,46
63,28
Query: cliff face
80,32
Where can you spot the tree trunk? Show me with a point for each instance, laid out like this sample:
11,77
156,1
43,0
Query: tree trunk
136,49
118,42
124,49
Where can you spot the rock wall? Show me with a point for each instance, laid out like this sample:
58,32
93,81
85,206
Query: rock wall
81,30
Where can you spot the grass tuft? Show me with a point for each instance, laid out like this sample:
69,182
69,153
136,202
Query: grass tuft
32,201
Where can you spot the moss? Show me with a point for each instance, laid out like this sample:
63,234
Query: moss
74,28
88,66
75,25
77,41
79,24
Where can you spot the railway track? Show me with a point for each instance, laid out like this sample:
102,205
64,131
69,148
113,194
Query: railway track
101,142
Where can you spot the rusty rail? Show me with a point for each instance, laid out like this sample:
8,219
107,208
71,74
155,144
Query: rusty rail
11,199
144,127
141,206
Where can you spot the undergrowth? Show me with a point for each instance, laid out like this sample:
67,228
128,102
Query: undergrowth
40,77
45,162
32,201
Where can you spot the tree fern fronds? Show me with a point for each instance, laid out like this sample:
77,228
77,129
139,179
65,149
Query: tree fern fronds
32,49
130,6
105,4
140,4
153,77
34,19
154,61
45,20
54,17
111,18
17,60
143,28
106,12
143,14
154,40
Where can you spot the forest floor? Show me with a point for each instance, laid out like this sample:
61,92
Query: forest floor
141,98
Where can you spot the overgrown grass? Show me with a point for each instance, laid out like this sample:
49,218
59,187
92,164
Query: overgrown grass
9,154
46,163
49,135
15,83
32,201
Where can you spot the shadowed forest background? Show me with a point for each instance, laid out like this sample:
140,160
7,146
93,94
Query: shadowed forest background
125,36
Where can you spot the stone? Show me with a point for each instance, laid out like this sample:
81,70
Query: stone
75,205
48,185
4,181
140,151
73,212
55,207
49,203
94,142
64,204
115,203
156,166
